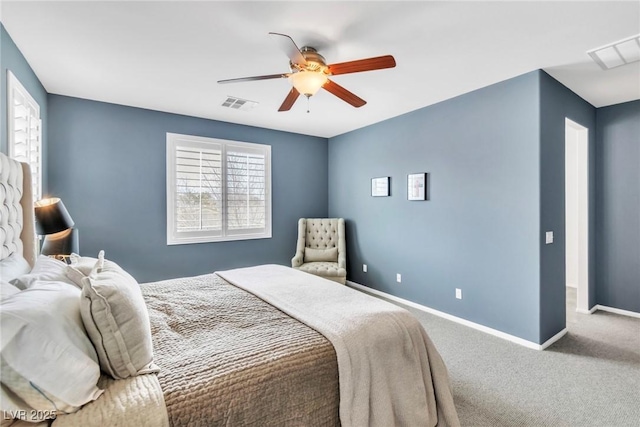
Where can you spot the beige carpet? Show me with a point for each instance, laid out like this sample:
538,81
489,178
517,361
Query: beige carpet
591,377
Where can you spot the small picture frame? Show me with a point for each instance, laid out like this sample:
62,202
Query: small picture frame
417,186
380,186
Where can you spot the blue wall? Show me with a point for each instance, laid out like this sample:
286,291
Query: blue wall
11,59
618,208
556,104
495,159
107,163
479,230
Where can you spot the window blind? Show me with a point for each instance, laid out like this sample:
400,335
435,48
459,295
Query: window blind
198,189
246,195
25,131
217,190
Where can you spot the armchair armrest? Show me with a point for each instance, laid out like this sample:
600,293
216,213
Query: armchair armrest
342,261
297,260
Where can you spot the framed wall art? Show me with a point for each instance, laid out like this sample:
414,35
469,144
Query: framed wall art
417,186
380,186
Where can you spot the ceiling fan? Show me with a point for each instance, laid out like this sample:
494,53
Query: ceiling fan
310,72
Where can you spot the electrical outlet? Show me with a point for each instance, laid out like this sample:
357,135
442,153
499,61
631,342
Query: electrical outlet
458,293
548,237
364,267
399,278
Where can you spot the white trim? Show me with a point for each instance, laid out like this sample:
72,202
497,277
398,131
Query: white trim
553,339
591,311
581,135
617,311
482,328
14,86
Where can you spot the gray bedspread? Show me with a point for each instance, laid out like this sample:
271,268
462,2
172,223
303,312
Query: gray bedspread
227,358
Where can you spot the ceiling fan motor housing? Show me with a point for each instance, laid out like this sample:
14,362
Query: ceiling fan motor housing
315,61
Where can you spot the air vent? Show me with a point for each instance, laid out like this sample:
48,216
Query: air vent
239,104
617,54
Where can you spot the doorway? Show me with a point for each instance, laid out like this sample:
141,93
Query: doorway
577,212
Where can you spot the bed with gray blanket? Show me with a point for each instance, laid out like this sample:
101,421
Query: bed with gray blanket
228,358
269,346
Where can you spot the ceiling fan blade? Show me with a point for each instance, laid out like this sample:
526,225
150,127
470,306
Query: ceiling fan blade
290,48
250,79
343,94
289,100
370,64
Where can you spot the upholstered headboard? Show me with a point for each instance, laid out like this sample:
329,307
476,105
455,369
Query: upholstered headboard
17,223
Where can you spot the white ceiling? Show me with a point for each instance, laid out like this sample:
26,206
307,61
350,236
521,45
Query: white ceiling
168,56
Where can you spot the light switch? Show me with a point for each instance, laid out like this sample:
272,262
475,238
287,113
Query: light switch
399,278
549,237
364,268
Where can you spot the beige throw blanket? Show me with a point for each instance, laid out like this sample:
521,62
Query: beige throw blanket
390,373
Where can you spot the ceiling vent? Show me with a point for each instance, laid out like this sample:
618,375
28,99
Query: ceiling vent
239,104
617,54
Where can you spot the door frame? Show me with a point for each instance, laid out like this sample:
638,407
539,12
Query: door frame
581,135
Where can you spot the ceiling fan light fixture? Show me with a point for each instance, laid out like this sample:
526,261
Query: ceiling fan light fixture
308,72
308,83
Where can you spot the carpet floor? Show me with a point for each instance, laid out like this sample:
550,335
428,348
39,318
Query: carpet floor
590,377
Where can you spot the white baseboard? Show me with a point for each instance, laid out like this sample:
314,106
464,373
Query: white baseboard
591,311
482,328
617,311
553,339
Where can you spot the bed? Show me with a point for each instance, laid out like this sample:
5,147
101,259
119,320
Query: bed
264,345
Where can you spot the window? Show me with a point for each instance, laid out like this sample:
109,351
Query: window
217,190
25,131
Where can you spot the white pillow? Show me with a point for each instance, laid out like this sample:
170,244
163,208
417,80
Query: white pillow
7,289
44,347
46,269
13,266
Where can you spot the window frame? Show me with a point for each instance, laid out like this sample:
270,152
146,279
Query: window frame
13,86
175,237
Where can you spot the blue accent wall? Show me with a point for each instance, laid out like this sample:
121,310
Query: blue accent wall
11,59
479,230
496,164
108,164
618,207
558,103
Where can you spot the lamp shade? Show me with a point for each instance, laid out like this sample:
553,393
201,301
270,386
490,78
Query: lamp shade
308,82
52,216
63,243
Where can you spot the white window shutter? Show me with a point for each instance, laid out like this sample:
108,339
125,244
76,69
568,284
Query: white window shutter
25,131
217,190
198,189
246,190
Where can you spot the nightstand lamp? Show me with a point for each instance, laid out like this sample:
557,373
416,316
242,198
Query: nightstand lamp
55,224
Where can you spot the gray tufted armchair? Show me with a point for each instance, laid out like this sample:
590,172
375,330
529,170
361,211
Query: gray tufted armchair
321,248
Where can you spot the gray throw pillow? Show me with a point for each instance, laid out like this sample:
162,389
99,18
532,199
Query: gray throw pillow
116,318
